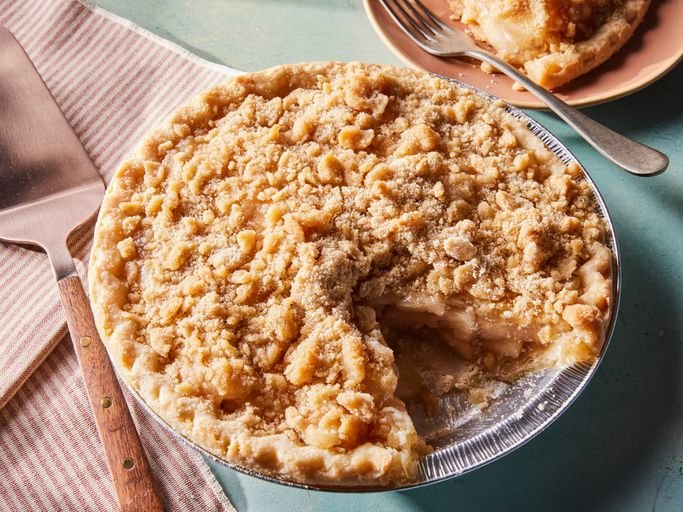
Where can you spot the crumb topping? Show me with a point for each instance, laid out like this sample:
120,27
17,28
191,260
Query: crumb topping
255,256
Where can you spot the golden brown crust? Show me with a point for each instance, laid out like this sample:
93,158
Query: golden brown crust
246,258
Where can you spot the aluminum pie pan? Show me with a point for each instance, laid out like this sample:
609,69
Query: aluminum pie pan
517,414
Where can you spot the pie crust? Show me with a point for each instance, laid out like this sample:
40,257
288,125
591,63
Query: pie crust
259,254
552,41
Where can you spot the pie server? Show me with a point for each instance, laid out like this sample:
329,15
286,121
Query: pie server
48,187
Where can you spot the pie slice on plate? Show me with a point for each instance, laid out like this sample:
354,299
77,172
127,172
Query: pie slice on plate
552,41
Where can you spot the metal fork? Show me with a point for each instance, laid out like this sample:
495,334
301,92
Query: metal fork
437,38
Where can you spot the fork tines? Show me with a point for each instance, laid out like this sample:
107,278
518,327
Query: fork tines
413,13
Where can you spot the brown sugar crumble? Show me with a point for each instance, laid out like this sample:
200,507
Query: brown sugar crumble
264,251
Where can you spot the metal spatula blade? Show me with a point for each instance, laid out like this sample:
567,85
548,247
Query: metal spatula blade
48,186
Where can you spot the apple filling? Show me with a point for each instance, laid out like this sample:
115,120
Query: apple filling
462,329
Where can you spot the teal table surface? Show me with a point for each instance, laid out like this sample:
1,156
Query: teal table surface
620,446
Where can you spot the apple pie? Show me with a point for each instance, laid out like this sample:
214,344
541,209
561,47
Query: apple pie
258,256
552,41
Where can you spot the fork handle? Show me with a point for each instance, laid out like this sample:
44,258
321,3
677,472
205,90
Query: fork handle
126,459
628,154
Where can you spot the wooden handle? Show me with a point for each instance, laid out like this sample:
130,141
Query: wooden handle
126,458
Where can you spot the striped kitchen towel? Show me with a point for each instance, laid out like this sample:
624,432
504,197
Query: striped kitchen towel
113,81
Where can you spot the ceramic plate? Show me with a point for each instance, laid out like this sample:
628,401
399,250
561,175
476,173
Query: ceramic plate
655,48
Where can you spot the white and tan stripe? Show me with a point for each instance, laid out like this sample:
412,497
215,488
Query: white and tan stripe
113,82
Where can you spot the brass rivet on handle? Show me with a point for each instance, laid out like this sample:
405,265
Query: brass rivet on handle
85,341
128,463
105,402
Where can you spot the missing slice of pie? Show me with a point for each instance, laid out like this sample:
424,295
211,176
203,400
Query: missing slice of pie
263,253
552,41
